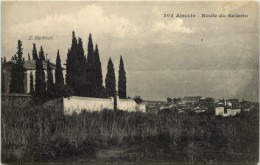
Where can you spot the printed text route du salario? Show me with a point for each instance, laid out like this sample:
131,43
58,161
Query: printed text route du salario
207,15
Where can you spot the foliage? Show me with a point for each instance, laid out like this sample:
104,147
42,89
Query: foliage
41,54
76,68
34,52
41,134
59,80
40,85
121,80
91,73
31,84
99,77
2,77
17,73
72,63
138,99
110,79
58,71
50,84
169,100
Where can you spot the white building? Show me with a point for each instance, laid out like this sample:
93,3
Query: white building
30,67
224,108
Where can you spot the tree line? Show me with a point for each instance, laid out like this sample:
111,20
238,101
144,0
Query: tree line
83,73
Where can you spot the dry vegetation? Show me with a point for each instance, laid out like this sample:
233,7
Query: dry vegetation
39,134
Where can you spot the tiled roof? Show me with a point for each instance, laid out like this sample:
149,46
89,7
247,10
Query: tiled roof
31,64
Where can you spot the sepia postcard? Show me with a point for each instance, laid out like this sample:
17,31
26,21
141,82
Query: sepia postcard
129,82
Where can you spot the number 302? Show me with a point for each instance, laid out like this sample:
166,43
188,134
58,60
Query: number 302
167,15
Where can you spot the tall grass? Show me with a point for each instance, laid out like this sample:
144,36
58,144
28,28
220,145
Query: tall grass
38,134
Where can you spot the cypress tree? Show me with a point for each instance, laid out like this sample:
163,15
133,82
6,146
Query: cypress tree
34,52
4,60
121,80
73,68
17,73
72,63
91,70
50,84
41,54
58,71
2,78
98,69
69,70
29,58
69,74
81,58
75,65
40,85
110,79
31,83
59,80
80,85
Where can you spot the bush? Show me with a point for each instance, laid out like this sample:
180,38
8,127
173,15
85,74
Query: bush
39,134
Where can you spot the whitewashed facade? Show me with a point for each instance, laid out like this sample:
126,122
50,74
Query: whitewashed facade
75,104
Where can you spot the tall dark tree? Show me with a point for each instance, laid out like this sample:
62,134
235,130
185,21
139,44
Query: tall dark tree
17,73
2,77
69,69
34,52
69,63
121,80
73,67
50,84
31,83
29,57
40,85
98,69
58,71
41,54
91,70
81,58
4,60
110,79
59,80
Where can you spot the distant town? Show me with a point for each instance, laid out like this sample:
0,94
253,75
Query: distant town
198,104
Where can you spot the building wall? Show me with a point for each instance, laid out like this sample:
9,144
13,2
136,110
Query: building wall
141,107
7,78
230,112
28,72
126,105
233,112
219,111
7,75
78,104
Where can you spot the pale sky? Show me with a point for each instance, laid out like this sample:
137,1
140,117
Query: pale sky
164,57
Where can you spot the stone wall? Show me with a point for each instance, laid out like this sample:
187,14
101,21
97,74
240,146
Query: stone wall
78,104
15,101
